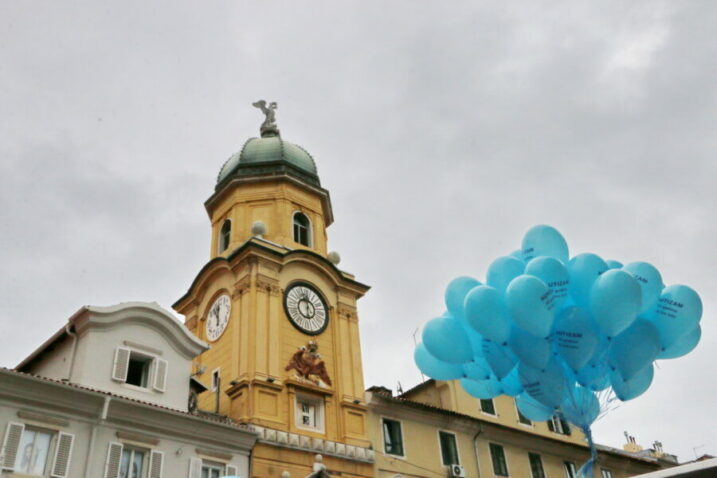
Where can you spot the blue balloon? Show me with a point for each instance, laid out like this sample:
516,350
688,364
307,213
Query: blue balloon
580,407
477,369
615,301
595,376
532,409
456,293
511,383
650,281
677,313
487,313
544,241
446,340
529,349
612,264
502,271
633,388
434,368
546,386
553,273
682,346
518,254
576,337
530,302
483,389
635,348
500,358
584,269
475,339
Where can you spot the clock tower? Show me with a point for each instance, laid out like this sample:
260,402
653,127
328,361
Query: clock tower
279,315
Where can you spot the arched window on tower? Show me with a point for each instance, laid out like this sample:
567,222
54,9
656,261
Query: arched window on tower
224,235
302,229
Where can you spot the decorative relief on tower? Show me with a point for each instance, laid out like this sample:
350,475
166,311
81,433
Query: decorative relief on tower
268,284
347,311
309,366
242,285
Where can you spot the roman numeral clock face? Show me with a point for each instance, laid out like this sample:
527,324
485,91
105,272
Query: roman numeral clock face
306,309
218,317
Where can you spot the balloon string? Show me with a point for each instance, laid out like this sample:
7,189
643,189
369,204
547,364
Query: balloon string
586,471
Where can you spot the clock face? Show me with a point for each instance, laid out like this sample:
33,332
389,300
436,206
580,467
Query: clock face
306,309
218,317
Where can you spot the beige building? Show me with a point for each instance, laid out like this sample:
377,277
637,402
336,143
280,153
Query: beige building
429,429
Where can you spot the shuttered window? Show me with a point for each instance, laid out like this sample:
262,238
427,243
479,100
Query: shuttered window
156,464
112,463
497,455
10,445
121,364
160,374
63,453
232,470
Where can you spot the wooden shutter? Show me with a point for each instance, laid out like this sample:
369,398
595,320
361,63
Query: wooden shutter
232,470
63,453
195,468
121,364
10,444
114,456
160,374
156,463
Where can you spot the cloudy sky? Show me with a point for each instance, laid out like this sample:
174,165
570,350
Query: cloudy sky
443,131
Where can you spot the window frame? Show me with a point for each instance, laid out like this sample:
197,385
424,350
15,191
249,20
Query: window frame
309,229
146,452
606,473
320,415
492,458
530,423
148,371
221,245
492,403
540,461
570,470
455,442
557,425
383,437
216,379
213,465
51,449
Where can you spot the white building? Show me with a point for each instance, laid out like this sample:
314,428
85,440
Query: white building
108,396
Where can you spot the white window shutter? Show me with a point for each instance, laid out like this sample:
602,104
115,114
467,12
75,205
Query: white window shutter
10,444
63,453
114,456
160,374
232,470
121,364
156,463
195,468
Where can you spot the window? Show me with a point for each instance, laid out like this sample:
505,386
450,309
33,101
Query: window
536,465
523,419
604,473
449,448
487,406
140,370
216,380
392,437
570,471
35,451
132,463
225,235
212,470
497,455
309,413
559,425
302,229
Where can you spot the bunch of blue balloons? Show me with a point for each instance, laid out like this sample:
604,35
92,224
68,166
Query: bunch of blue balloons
552,330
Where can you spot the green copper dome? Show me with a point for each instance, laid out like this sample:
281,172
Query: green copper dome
270,155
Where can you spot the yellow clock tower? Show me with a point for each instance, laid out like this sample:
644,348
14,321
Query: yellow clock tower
279,314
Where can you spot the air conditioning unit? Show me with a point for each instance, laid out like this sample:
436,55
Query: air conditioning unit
456,471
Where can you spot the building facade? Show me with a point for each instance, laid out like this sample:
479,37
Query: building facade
109,395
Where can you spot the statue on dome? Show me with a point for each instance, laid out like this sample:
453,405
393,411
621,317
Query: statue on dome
269,124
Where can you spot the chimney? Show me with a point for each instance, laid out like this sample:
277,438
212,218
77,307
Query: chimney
631,445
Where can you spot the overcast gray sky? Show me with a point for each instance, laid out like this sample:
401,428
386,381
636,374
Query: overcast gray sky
443,131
